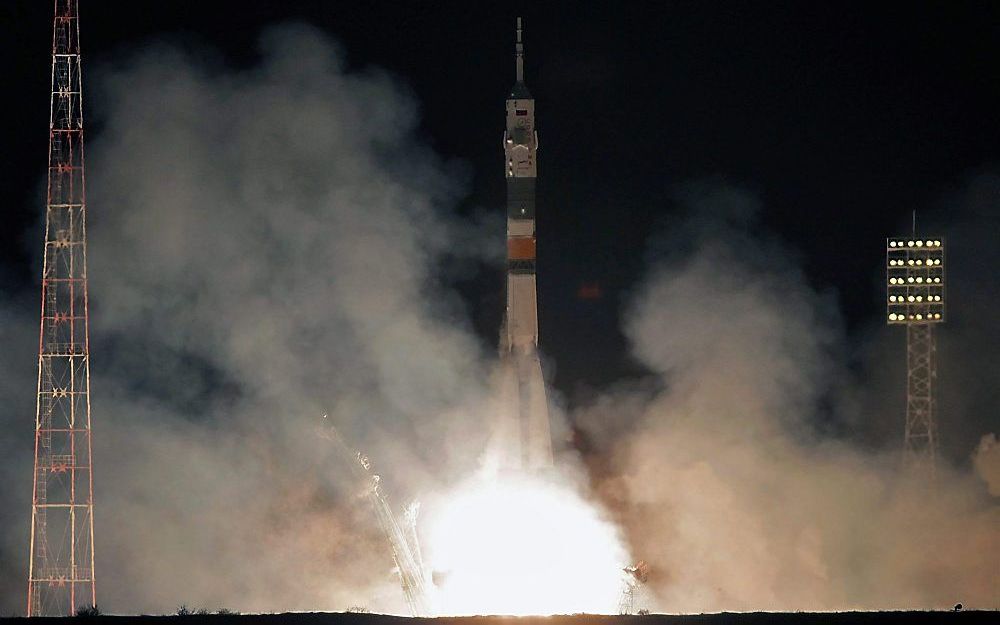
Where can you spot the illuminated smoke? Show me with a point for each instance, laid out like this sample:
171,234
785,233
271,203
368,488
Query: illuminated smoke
721,476
263,249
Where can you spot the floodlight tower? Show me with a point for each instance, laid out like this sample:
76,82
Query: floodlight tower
61,562
916,299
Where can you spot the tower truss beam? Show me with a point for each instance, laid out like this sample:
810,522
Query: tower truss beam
920,437
916,298
61,560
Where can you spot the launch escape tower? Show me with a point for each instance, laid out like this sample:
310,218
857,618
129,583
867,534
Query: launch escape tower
916,298
524,426
61,563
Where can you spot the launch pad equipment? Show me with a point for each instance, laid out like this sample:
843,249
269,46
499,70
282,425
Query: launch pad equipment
635,579
915,291
61,559
523,429
402,537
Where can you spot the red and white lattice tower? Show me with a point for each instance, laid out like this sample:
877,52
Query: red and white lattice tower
61,569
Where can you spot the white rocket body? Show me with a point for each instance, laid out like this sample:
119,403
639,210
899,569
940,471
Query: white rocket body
525,440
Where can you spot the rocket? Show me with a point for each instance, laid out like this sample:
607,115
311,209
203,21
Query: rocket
525,440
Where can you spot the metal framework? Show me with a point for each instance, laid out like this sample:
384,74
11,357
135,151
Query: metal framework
61,563
633,582
401,537
916,298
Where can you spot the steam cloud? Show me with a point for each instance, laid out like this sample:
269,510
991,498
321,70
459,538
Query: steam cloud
723,479
264,249
262,245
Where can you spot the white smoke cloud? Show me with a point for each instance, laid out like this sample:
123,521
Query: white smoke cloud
263,250
269,258
722,482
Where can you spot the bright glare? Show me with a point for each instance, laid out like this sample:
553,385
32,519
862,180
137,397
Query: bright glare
522,545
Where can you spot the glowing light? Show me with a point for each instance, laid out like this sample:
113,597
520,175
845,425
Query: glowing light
909,243
522,545
892,316
930,243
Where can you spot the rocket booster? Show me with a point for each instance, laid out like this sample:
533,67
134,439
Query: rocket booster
524,428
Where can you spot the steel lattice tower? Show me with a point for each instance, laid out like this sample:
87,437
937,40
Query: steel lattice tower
916,298
61,564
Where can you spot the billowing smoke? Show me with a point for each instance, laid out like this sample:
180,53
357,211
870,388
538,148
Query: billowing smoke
262,251
723,480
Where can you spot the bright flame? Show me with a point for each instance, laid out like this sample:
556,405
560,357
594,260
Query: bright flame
518,544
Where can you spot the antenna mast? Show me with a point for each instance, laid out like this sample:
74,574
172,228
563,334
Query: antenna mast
61,562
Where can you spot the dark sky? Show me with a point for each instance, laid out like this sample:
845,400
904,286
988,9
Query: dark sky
841,117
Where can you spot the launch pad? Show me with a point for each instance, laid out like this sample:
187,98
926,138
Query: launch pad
950,617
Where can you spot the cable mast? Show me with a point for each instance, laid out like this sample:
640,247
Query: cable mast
61,563
401,537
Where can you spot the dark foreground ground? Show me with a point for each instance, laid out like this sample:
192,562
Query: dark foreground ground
754,618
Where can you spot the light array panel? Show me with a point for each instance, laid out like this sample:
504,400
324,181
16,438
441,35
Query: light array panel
915,282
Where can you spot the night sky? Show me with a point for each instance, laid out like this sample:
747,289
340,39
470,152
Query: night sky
840,118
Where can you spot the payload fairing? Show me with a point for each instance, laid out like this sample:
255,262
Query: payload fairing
523,430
